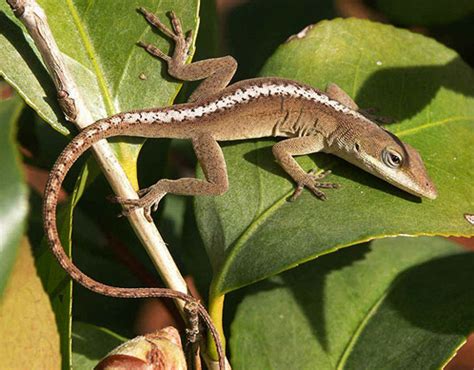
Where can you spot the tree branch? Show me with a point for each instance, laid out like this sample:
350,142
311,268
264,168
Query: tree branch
74,108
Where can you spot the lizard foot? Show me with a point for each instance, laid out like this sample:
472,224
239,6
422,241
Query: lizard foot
311,182
149,201
182,41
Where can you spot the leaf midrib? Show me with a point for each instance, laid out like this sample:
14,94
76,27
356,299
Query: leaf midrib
89,48
429,124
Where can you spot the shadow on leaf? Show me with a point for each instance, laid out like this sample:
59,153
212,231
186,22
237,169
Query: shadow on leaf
267,25
413,88
427,294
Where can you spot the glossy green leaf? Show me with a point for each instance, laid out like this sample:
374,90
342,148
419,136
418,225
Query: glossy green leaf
13,192
253,232
402,303
425,12
90,344
100,49
98,40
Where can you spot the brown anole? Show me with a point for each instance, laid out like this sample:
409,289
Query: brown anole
308,119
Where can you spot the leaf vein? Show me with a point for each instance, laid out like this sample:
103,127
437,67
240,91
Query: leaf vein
433,124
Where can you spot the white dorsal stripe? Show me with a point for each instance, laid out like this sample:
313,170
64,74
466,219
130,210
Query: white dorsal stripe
239,96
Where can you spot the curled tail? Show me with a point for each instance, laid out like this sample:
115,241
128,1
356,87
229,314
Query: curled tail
102,129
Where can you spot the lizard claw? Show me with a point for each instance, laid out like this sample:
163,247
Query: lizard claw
309,181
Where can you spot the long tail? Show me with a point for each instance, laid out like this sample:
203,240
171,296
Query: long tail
102,129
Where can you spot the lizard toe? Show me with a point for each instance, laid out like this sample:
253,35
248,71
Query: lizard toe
129,203
124,213
318,193
322,175
112,198
147,212
326,185
297,192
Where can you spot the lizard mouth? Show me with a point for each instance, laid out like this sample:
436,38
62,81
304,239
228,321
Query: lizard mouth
429,191
425,188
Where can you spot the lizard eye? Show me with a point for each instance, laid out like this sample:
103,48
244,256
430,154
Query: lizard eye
392,158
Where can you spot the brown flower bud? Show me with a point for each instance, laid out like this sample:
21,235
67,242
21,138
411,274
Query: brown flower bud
160,350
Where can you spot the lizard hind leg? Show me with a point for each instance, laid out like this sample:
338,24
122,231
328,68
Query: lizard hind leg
212,161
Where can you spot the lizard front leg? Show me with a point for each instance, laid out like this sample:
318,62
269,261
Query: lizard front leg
284,152
211,159
216,72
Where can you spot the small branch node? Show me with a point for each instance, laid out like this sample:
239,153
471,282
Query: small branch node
193,331
18,7
67,105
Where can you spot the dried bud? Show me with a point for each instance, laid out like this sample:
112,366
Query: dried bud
160,350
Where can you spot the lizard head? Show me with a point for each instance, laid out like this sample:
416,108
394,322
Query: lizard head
386,156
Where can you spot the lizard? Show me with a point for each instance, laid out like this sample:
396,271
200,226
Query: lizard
309,121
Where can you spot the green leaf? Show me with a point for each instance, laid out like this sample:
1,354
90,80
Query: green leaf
13,192
91,343
253,232
399,303
425,12
98,40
